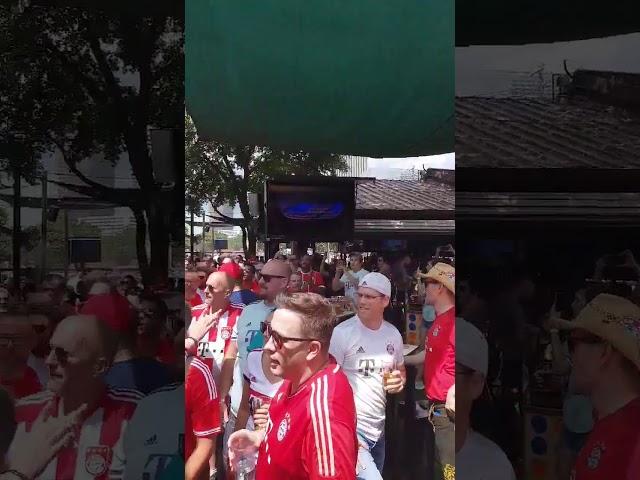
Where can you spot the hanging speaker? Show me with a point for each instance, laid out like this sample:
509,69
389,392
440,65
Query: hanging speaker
163,154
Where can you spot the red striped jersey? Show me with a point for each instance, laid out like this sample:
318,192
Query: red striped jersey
216,342
97,453
311,434
28,384
202,417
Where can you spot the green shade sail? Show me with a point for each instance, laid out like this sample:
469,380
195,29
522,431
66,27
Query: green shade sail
358,77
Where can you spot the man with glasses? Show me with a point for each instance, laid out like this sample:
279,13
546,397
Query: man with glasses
349,279
367,348
439,362
82,350
17,338
476,456
247,335
604,341
311,430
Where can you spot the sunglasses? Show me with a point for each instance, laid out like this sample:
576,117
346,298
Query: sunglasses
575,340
463,371
62,356
39,328
267,278
8,341
367,296
279,340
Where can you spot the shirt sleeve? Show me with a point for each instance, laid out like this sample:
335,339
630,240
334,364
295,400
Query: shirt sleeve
205,415
336,349
399,348
329,449
317,279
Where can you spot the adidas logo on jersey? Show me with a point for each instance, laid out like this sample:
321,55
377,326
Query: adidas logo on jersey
151,441
360,350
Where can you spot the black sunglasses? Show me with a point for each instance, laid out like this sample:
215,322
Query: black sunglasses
575,340
62,356
267,278
279,340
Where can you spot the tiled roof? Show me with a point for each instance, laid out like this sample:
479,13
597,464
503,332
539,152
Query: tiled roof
540,133
411,227
405,195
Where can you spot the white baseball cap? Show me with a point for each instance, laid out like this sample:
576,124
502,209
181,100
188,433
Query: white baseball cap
472,349
377,282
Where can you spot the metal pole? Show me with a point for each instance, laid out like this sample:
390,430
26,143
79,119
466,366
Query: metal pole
204,236
66,243
17,233
43,229
191,236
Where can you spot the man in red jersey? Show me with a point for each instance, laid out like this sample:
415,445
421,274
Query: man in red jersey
439,359
311,431
82,349
312,281
191,282
16,340
604,341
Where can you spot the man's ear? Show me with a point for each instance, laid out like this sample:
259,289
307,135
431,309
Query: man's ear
101,366
315,350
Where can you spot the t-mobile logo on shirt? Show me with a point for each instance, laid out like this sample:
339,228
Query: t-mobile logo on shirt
367,366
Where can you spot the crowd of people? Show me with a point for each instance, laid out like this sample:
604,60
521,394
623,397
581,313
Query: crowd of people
561,339
271,383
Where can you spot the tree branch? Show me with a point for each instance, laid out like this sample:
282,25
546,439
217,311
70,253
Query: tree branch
124,197
233,221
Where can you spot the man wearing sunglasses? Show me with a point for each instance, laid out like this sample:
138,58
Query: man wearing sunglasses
363,345
247,335
476,456
604,341
17,338
82,350
311,430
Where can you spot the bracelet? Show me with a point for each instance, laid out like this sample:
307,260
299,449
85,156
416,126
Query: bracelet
191,338
16,474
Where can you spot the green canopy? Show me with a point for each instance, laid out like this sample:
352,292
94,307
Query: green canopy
358,77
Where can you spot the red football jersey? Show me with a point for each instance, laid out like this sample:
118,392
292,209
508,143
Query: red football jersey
202,417
440,356
27,385
215,343
612,444
311,434
313,280
98,452
196,300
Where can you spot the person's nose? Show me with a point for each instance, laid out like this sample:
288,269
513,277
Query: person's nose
51,360
269,345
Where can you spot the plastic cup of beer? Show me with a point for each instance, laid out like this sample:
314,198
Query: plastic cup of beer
256,403
388,366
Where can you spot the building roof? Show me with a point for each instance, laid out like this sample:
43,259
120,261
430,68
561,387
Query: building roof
541,133
404,195
395,228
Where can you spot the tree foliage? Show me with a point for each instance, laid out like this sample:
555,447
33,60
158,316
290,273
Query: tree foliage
88,84
220,174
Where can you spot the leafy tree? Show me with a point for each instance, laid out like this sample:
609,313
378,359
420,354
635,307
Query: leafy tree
88,85
222,174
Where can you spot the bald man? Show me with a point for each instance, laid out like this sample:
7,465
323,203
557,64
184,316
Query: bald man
17,338
82,350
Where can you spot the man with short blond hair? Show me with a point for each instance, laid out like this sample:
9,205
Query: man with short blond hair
311,429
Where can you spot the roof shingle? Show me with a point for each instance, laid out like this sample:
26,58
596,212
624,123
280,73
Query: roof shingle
405,195
540,133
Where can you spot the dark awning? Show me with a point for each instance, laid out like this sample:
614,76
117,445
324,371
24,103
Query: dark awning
362,78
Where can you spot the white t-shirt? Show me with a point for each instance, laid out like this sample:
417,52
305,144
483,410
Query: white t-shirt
350,289
259,385
481,459
361,353
248,336
154,447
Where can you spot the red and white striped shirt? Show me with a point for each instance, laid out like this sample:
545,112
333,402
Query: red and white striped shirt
202,405
311,434
98,453
215,342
